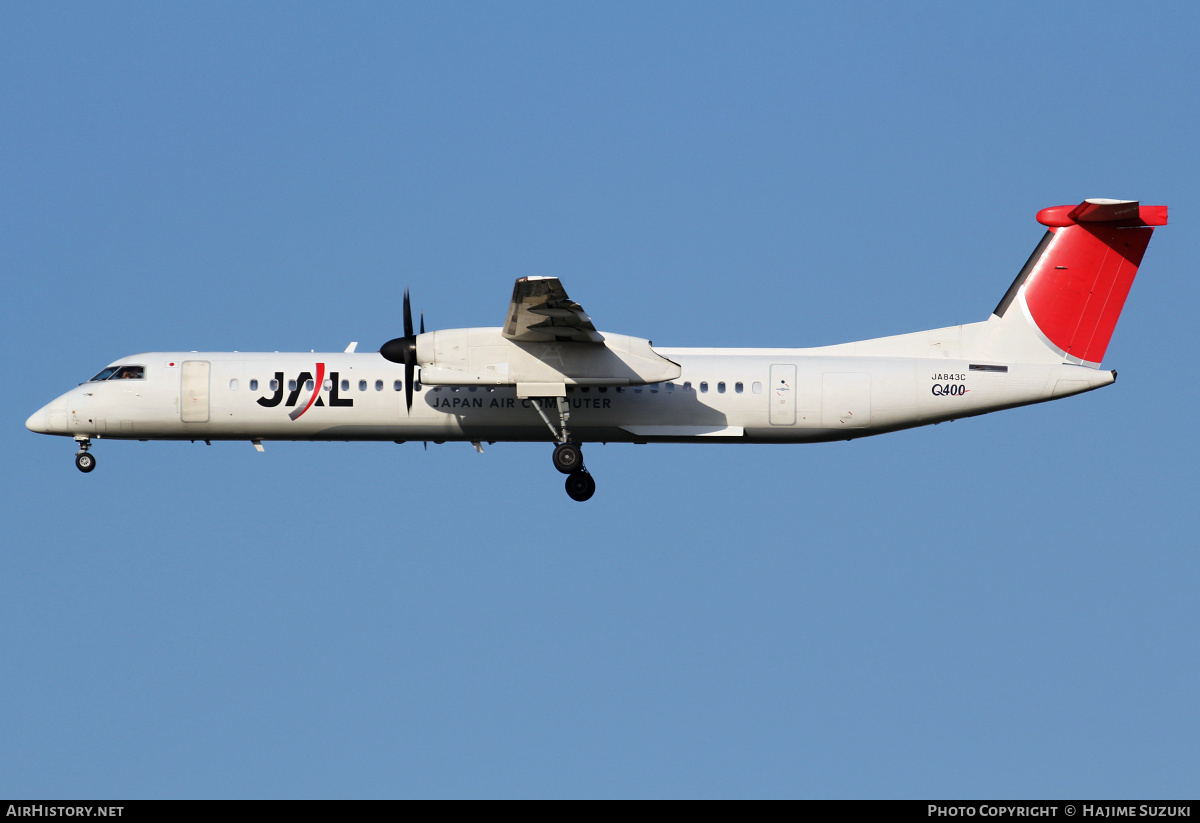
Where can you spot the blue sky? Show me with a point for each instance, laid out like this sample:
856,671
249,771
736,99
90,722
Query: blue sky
999,607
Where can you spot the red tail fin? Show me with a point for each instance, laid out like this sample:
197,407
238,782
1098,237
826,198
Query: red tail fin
1077,287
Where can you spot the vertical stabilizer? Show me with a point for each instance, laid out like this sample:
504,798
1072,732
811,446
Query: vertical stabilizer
1070,292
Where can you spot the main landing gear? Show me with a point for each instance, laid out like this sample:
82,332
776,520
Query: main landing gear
580,485
568,457
84,460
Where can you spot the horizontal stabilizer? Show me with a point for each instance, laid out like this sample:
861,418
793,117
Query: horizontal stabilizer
1099,210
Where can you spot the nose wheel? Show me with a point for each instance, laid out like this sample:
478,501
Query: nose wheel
84,460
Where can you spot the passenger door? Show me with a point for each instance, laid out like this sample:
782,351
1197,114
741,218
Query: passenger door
193,391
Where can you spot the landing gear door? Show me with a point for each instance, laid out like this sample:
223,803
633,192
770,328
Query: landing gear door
782,394
193,391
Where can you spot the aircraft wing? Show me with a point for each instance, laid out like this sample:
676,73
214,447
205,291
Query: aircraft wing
541,312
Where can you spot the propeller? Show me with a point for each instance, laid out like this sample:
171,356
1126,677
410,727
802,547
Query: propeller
404,350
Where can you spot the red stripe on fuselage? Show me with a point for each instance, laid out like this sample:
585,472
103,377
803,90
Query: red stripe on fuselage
316,390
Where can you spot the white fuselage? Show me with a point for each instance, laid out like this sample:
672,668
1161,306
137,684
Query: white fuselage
721,395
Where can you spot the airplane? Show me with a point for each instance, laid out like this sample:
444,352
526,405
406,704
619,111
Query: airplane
548,375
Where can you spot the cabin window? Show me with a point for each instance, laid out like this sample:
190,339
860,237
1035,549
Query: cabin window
308,385
670,388
345,385
291,385
362,385
274,385
233,384
378,385
737,387
416,385
687,386
756,387
327,384
703,386
603,389
584,389
253,385
721,387
397,385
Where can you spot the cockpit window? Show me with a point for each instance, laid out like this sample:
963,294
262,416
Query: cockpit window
121,373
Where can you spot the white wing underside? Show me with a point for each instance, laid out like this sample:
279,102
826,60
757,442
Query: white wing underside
541,312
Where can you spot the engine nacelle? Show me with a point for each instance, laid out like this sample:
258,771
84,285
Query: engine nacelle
462,357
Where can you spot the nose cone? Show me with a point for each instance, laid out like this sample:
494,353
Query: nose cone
39,421
52,417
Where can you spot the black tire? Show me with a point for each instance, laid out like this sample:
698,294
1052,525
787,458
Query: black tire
568,458
85,462
580,486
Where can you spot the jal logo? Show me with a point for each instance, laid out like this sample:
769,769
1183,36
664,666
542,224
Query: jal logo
301,385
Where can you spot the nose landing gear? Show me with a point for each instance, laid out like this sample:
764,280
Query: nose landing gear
84,460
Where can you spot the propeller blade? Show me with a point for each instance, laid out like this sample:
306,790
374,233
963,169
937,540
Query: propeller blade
409,368
404,350
408,326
